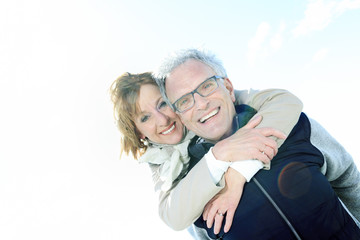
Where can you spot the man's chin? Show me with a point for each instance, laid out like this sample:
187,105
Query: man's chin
210,132
212,136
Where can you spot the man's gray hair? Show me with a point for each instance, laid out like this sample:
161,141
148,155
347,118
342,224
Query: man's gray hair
177,58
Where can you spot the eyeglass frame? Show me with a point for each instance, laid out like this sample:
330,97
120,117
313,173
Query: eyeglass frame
216,77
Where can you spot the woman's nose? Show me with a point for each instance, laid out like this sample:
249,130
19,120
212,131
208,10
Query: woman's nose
162,119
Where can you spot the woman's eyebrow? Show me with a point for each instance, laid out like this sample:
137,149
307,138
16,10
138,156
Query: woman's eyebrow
158,100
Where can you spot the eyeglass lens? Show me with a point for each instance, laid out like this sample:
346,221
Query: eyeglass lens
204,89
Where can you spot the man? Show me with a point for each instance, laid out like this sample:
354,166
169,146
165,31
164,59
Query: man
291,200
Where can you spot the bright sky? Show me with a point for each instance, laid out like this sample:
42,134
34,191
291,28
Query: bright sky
60,172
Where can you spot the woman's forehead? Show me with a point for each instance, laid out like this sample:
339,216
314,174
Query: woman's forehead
148,97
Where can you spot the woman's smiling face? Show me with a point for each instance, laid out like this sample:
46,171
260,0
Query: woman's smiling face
155,119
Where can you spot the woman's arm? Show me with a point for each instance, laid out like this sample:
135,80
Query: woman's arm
279,108
180,206
184,202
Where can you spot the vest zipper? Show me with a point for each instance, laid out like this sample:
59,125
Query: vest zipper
277,209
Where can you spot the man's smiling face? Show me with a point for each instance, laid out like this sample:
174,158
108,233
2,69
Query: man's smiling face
210,117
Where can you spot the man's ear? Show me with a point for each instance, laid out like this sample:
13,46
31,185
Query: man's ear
230,88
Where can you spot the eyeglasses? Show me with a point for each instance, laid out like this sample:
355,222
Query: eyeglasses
205,88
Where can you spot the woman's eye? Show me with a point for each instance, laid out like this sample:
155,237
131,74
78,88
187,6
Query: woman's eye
144,118
162,104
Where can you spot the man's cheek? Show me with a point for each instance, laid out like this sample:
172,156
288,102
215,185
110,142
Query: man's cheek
185,118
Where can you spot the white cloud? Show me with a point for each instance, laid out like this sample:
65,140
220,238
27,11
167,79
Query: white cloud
320,55
277,40
347,5
255,43
261,45
319,13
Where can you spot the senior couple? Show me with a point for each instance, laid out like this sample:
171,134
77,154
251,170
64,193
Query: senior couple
233,164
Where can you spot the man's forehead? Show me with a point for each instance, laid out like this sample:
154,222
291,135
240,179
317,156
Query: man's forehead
186,77
191,65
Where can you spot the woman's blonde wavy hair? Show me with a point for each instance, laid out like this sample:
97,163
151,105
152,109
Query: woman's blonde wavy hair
124,93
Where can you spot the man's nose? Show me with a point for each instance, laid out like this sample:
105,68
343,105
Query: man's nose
200,102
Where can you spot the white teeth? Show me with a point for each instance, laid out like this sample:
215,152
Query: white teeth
213,113
169,130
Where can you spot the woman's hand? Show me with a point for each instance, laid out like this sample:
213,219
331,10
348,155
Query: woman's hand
226,201
249,143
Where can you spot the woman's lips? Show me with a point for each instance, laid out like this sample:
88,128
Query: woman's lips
169,129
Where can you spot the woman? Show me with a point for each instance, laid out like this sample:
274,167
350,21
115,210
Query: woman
153,133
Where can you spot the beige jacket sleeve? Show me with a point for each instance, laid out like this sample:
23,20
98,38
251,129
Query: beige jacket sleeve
279,108
183,204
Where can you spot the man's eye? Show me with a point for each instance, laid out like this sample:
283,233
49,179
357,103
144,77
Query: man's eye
183,102
208,85
144,118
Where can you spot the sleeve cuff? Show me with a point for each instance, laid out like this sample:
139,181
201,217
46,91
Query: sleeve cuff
216,167
247,168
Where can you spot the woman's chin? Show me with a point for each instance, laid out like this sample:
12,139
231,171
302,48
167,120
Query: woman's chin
172,139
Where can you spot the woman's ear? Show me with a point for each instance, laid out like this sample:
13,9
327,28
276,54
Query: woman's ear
144,141
139,134
230,88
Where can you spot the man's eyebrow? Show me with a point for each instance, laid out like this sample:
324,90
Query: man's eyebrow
208,78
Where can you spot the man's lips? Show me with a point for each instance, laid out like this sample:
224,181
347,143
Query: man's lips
209,115
169,129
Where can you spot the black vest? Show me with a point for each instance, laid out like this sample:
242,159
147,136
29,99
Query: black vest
296,185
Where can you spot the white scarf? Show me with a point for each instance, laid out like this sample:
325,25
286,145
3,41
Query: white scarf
173,158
